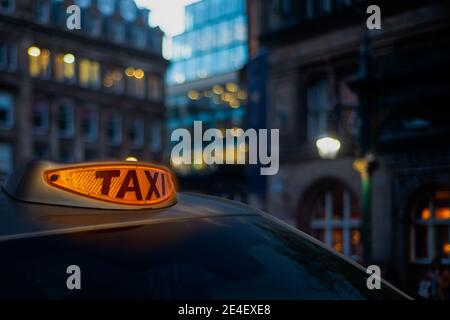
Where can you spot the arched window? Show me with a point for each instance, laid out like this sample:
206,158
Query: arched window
336,220
430,234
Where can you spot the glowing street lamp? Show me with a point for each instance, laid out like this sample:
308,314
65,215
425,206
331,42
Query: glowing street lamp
328,147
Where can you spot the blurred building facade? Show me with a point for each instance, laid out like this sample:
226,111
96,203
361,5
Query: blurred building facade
74,95
320,73
204,85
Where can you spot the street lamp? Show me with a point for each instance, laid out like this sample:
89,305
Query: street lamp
328,147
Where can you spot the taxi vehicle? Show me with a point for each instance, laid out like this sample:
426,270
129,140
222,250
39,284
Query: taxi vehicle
131,235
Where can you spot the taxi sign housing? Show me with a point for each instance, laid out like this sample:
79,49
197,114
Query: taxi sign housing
103,185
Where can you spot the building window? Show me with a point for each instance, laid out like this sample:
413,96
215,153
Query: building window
94,25
113,80
66,153
136,133
42,11
317,108
138,37
431,228
89,124
90,154
135,82
117,31
89,73
65,120
6,160
6,110
39,62
156,137
114,129
155,88
65,67
40,116
40,151
6,6
336,221
8,56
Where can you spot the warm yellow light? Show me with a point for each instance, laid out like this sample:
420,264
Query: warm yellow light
234,104
442,213
34,51
328,147
426,214
446,248
130,72
217,89
338,247
232,87
69,58
356,237
193,95
132,159
139,73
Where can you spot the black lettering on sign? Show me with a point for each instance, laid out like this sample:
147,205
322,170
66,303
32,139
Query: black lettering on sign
125,187
152,181
106,175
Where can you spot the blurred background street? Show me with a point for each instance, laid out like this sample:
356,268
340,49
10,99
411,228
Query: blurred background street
363,114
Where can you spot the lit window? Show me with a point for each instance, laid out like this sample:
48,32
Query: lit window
155,87
431,228
156,137
114,129
39,62
7,6
89,124
65,67
113,80
40,116
135,82
6,110
89,73
42,11
136,133
317,108
8,56
6,160
40,151
336,221
65,120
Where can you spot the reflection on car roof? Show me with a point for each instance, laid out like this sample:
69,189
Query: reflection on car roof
24,220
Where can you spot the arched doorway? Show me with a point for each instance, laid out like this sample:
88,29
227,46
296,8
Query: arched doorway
331,214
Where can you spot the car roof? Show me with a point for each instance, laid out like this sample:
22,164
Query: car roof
20,219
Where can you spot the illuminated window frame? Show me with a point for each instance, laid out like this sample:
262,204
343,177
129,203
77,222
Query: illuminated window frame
426,217
329,223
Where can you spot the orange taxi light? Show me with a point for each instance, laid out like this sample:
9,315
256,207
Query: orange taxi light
129,184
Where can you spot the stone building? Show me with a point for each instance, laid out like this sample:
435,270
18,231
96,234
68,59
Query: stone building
324,66
75,95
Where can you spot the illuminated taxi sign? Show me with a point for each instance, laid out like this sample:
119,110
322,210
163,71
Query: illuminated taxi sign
108,185
124,184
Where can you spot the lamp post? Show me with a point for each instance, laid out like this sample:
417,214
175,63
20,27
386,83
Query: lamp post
365,160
